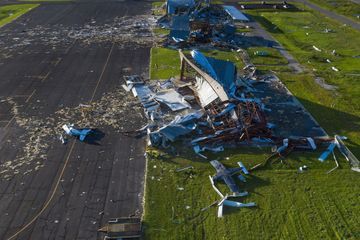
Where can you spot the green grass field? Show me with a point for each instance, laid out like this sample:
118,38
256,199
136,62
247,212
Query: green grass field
343,7
10,12
165,63
298,32
157,10
311,205
273,56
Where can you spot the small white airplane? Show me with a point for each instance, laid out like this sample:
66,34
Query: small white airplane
225,175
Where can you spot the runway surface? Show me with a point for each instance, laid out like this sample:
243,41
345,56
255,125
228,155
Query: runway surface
51,60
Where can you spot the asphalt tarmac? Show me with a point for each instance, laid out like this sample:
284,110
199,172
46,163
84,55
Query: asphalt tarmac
66,191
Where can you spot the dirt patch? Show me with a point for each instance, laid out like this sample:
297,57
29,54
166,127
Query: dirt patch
321,82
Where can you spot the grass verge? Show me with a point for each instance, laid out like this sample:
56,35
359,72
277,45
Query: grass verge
312,205
10,12
271,57
343,7
165,63
338,112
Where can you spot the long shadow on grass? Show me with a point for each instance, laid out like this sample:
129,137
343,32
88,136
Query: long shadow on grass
335,122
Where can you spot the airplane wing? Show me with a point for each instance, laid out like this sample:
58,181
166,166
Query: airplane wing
238,204
66,129
231,183
232,171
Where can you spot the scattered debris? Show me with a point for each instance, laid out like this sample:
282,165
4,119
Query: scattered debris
327,152
62,139
261,53
350,157
336,162
119,228
316,49
134,31
39,133
335,69
184,168
320,81
303,169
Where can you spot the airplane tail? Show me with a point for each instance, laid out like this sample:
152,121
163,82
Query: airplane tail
84,133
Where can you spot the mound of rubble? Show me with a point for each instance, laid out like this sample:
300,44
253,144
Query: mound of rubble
210,106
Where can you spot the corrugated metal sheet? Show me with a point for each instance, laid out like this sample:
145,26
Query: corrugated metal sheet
235,14
203,62
205,92
225,71
172,99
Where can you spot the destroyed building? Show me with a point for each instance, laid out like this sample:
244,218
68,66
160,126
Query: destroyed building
214,85
204,105
210,105
196,23
208,25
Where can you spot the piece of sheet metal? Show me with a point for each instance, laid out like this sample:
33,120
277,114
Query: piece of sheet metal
172,99
201,60
205,92
327,152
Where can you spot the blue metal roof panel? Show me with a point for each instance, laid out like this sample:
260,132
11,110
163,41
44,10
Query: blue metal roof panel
235,13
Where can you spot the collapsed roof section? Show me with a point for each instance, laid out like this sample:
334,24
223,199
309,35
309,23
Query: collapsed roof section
180,27
209,106
208,88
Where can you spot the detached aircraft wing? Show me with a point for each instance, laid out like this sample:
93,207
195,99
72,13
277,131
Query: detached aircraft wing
230,183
